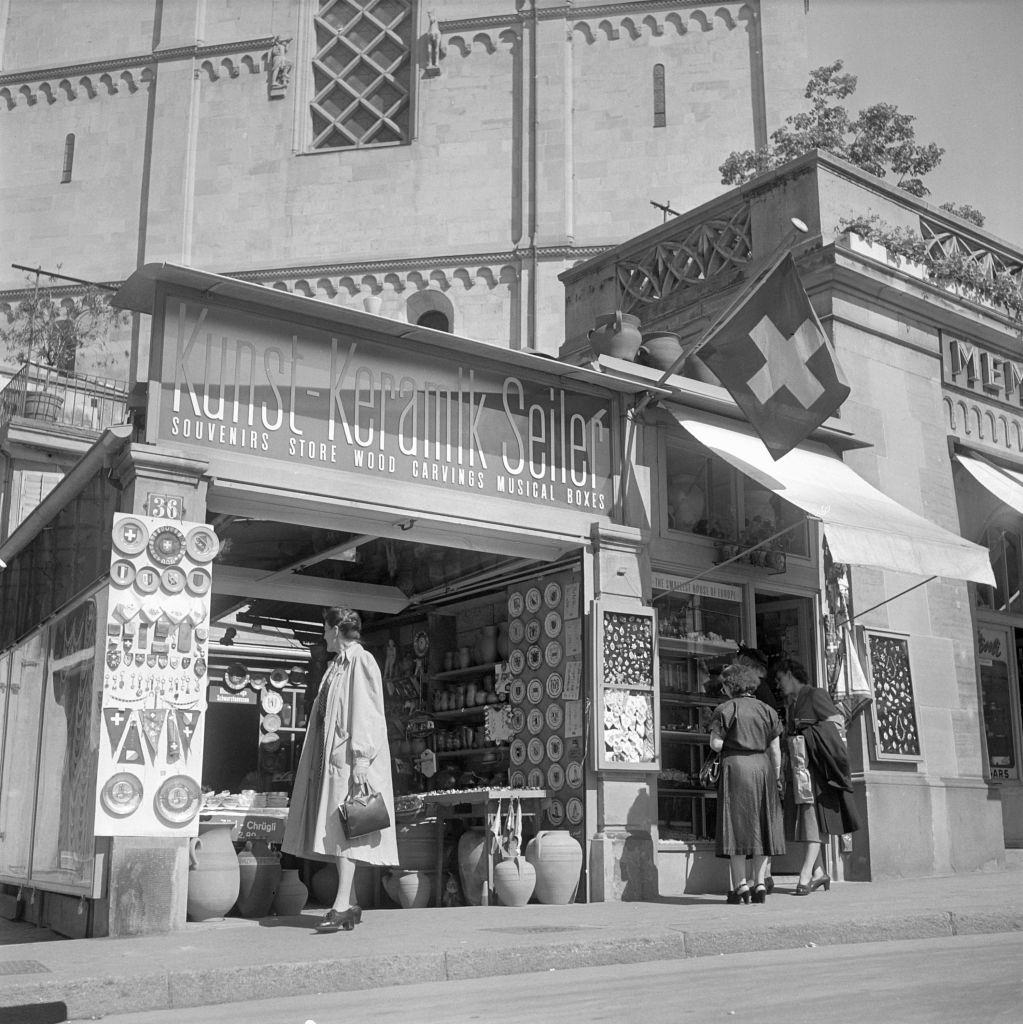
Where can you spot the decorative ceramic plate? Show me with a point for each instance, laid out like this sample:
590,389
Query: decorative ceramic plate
534,751
514,605
518,719
517,693
198,582
555,812
177,800
517,662
534,657
535,780
534,720
121,795
532,631
555,748
202,544
534,691
122,573
533,600
574,810
271,723
130,536
272,702
555,716
279,678
553,653
555,776
517,751
574,774
552,595
269,742
555,685
517,780
236,675
552,624
172,580
167,545
516,631
147,580
421,644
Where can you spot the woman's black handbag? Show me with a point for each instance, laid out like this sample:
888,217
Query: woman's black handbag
363,812
709,772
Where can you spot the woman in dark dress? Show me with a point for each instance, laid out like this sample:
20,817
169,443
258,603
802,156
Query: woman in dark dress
749,817
811,713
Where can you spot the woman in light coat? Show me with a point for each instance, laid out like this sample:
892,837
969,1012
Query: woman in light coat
345,747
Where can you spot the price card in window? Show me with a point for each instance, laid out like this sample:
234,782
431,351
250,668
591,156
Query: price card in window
572,600
573,638
573,679
573,718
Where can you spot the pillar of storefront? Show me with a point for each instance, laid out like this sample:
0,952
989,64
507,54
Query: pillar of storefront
622,855
146,876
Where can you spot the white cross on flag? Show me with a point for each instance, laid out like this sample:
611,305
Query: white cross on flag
773,356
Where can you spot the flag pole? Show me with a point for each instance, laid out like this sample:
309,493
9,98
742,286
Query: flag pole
768,266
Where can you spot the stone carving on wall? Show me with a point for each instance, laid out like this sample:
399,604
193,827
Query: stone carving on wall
278,67
434,46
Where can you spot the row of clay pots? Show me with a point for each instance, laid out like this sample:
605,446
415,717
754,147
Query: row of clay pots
619,335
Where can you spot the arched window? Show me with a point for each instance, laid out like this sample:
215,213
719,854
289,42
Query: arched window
660,117
69,159
434,319
430,308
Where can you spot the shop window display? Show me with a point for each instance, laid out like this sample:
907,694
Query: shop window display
700,494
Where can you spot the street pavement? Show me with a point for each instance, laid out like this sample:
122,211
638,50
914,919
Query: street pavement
236,959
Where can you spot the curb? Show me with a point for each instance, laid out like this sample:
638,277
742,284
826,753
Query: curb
105,994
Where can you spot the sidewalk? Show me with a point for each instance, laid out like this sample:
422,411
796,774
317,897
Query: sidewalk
235,959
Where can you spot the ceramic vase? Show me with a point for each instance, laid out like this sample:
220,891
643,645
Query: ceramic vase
514,880
259,872
212,873
616,335
291,894
558,860
464,657
660,349
472,865
410,889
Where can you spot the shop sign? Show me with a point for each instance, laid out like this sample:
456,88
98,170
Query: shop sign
231,382
259,826
695,588
220,695
996,703
982,371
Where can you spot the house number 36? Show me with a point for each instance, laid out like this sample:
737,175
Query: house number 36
164,506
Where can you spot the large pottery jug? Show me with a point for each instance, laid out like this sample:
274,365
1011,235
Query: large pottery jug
291,894
260,872
212,873
558,859
472,865
411,889
660,349
616,335
514,880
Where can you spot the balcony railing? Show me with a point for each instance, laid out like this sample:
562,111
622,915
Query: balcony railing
61,398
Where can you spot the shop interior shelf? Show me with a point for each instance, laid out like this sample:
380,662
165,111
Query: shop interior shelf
681,645
685,734
464,673
473,752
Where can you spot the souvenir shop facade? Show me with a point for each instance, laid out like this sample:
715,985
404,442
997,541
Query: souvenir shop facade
466,500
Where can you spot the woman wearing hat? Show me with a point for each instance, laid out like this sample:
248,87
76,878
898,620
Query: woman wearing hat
345,747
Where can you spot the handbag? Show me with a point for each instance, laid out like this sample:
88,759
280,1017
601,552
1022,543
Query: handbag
709,772
363,812
802,785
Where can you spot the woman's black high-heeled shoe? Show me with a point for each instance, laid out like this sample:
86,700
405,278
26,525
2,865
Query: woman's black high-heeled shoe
340,920
739,895
815,883
759,894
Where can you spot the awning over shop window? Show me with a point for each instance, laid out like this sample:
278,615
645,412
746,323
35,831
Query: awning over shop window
1004,484
863,526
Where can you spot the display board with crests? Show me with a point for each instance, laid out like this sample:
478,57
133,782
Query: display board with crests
895,727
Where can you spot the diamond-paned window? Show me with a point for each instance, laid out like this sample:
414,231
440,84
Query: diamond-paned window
362,71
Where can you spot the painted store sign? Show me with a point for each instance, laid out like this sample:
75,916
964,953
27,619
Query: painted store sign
300,395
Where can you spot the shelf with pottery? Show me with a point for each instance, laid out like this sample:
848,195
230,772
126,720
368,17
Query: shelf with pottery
456,674
501,751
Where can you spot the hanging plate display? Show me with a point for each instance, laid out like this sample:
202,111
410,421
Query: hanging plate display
121,795
517,751
147,580
421,643
555,685
167,545
555,748
279,678
555,716
198,582
555,777
269,742
177,800
172,580
517,662
553,653
574,810
574,774
555,812
552,595
202,544
535,780
271,723
130,536
516,631
272,702
122,573
236,675
534,751
518,720
532,631
534,691
552,624
534,720
534,657
518,691
533,600
517,780
514,605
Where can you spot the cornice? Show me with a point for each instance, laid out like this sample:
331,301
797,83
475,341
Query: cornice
568,11
194,52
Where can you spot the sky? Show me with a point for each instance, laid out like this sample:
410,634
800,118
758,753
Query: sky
957,65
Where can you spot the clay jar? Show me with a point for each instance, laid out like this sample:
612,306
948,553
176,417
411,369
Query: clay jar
660,349
558,860
212,873
410,889
514,880
464,657
259,874
291,894
616,335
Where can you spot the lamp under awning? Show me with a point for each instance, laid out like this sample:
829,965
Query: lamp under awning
863,526
1004,484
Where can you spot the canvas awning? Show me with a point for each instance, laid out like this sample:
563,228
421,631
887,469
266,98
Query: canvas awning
863,526
1004,484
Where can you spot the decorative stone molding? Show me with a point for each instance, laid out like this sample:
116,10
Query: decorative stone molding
970,420
484,41
943,241
131,80
636,20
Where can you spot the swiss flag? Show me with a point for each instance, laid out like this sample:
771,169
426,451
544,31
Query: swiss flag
773,356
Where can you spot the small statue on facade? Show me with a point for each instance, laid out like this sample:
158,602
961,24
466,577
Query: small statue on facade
279,67
434,44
